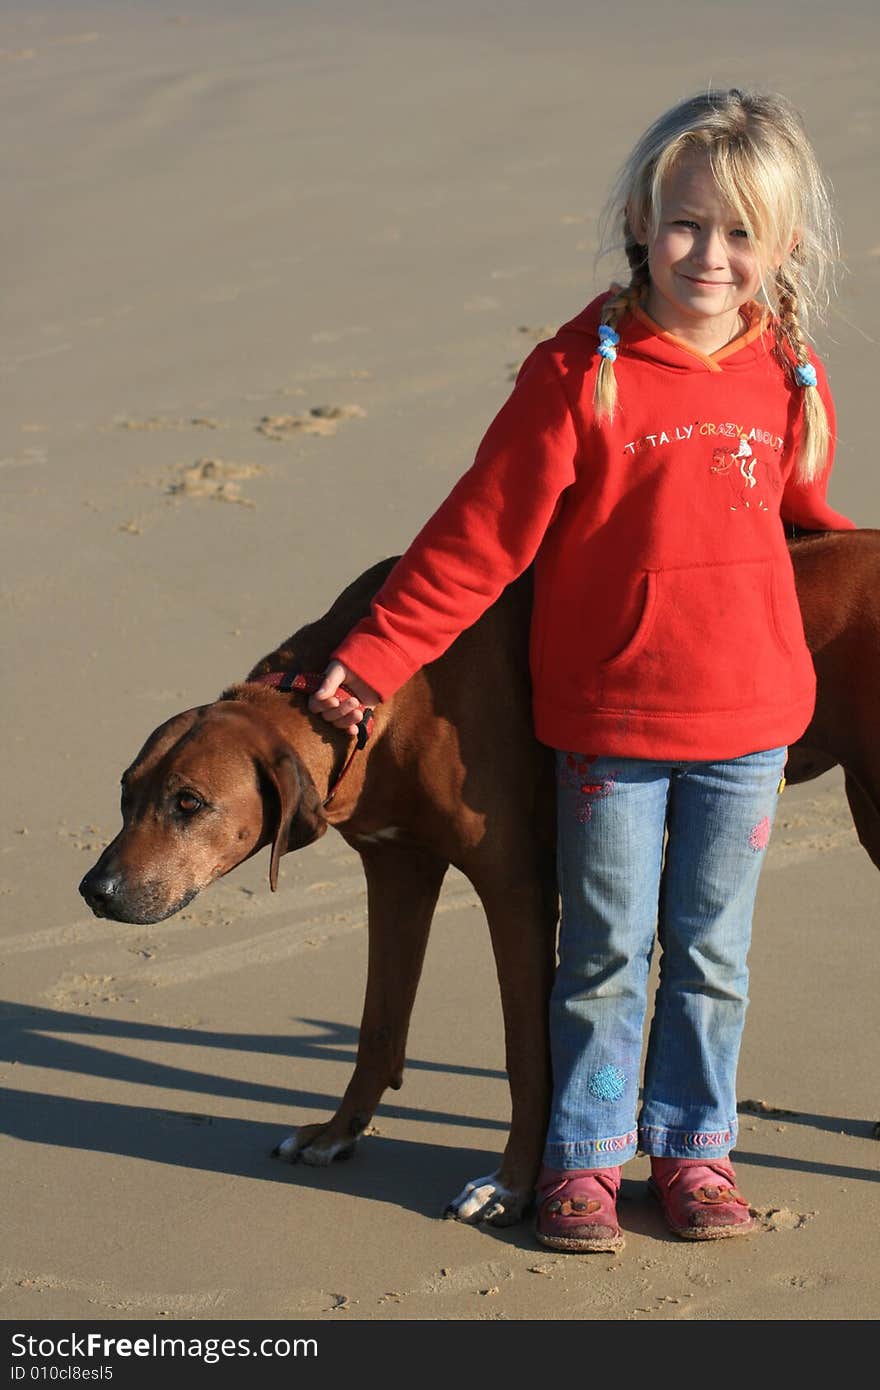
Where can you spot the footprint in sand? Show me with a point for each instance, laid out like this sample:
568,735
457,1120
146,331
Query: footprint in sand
320,419
782,1218
216,480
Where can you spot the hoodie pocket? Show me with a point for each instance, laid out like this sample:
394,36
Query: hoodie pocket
708,637
644,624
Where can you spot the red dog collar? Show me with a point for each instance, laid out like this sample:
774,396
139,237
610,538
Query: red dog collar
308,683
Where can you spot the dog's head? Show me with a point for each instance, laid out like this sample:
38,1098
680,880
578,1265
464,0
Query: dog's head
209,788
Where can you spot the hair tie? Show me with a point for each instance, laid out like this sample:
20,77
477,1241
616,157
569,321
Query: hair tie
608,341
806,374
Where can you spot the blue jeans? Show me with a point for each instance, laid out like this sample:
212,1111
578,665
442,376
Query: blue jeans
645,847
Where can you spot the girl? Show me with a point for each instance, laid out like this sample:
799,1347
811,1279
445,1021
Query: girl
643,462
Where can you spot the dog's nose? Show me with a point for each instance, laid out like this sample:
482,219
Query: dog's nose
99,891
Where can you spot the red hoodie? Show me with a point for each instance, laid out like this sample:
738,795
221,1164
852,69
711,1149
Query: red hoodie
666,623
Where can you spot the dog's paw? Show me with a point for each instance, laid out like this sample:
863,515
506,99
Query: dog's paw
488,1200
311,1144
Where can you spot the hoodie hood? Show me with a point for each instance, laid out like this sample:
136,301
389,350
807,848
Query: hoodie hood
643,339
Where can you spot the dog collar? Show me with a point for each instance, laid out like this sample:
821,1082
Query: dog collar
308,682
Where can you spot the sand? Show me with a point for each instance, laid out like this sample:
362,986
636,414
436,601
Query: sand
267,278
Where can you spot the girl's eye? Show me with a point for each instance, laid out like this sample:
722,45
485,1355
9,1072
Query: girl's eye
685,222
188,803
740,231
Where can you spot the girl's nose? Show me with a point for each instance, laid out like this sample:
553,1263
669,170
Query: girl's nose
708,250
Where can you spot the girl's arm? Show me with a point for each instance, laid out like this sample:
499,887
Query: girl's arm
479,540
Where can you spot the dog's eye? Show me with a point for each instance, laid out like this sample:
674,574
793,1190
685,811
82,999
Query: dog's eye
189,803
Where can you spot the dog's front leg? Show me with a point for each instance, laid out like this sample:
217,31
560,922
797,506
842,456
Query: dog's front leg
403,884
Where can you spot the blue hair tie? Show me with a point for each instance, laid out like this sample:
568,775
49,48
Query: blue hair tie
608,341
806,374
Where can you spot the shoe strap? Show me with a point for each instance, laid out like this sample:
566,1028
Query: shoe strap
689,1167
552,1182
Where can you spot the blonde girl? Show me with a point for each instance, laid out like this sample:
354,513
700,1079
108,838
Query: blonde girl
645,463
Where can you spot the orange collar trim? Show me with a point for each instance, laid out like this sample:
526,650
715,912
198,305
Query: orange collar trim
757,323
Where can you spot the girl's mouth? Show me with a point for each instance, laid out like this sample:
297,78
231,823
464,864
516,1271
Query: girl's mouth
712,284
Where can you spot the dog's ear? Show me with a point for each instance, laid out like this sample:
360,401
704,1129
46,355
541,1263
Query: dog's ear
300,814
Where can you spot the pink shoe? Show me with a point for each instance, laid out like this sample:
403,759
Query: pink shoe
699,1198
577,1209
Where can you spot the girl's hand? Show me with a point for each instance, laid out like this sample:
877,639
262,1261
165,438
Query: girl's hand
342,711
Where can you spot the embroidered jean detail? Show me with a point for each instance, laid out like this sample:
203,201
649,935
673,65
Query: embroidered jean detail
707,1140
608,1083
759,835
614,1145
575,774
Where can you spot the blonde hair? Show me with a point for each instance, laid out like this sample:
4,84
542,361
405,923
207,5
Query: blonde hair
765,168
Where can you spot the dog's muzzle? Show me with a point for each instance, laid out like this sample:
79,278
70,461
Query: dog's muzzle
109,895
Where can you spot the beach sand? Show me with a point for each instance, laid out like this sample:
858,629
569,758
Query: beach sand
220,228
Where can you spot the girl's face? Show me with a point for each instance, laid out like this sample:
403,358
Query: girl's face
702,264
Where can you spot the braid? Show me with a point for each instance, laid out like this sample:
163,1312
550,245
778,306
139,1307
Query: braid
623,299
815,436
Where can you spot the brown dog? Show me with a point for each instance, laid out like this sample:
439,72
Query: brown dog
440,782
